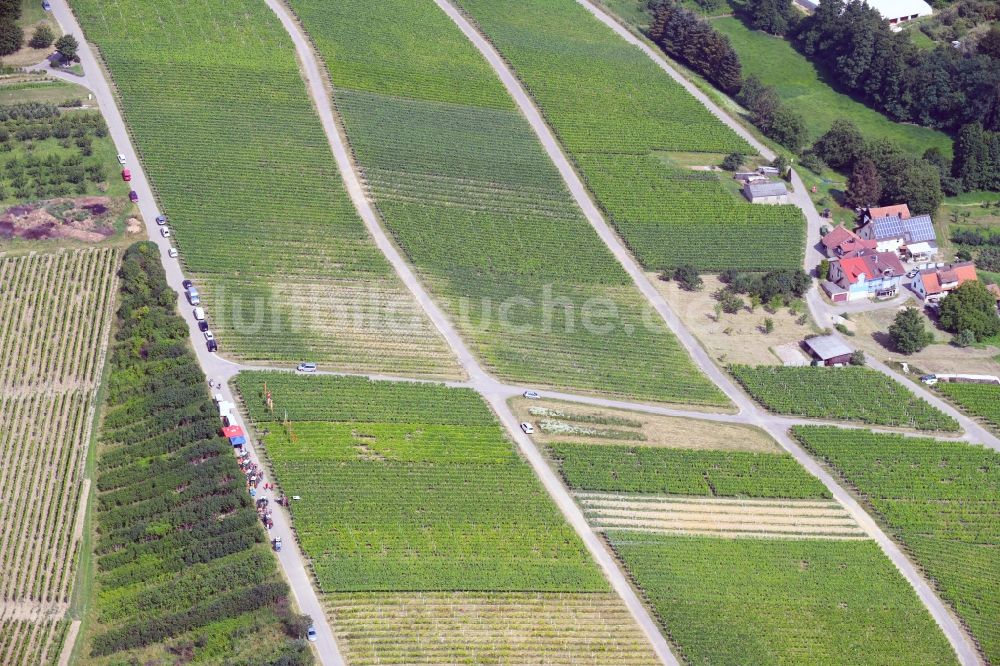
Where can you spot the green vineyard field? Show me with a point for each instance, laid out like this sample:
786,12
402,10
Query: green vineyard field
982,400
849,394
644,469
940,501
613,109
239,161
474,202
781,601
413,502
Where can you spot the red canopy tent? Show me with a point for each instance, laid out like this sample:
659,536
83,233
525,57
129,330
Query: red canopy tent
232,431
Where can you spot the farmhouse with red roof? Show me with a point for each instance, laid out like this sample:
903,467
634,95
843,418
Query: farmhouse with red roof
866,274
934,284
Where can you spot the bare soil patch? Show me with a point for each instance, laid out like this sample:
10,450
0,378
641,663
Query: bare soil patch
666,431
87,219
732,338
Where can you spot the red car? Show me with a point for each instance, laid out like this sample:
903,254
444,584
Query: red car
133,196
126,175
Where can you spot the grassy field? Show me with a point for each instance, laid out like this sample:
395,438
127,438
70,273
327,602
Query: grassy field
612,107
55,318
181,567
43,91
476,205
939,500
848,394
413,491
800,86
241,166
745,559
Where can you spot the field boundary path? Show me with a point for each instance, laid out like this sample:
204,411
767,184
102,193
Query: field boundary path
214,366
495,393
961,642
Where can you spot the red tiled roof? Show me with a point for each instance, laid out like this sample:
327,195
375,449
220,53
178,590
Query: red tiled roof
896,210
960,273
843,242
871,264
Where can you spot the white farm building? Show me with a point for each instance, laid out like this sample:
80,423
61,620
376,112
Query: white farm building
893,11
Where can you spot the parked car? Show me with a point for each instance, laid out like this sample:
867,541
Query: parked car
199,314
533,395
133,196
213,346
930,380
161,219
165,232
194,298
172,253
121,159
209,336
528,428
126,175
187,284
203,325
276,544
306,367
46,5
311,634
912,274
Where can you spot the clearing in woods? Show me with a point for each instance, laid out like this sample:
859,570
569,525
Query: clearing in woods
415,503
691,526
242,168
474,202
55,314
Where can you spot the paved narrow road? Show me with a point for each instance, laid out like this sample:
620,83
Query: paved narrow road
956,635
214,366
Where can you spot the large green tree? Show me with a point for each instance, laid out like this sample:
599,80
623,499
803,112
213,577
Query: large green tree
864,188
908,332
913,181
971,307
841,145
773,16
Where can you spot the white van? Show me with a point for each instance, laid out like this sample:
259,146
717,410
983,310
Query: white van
199,314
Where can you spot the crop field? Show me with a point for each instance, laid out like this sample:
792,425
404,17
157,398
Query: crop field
939,500
180,561
612,107
744,558
781,601
645,469
679,514
36,642
493,628
414,503
982,400
242,168
55,317
473,201
848,394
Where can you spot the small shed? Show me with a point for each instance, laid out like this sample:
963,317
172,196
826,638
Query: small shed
828,349
836,293
766,193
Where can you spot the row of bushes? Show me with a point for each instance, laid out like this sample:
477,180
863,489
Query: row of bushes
180,546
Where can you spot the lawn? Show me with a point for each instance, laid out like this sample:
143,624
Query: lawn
939,499
242,168
801,87
476,205
612,107
431,496
849,394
